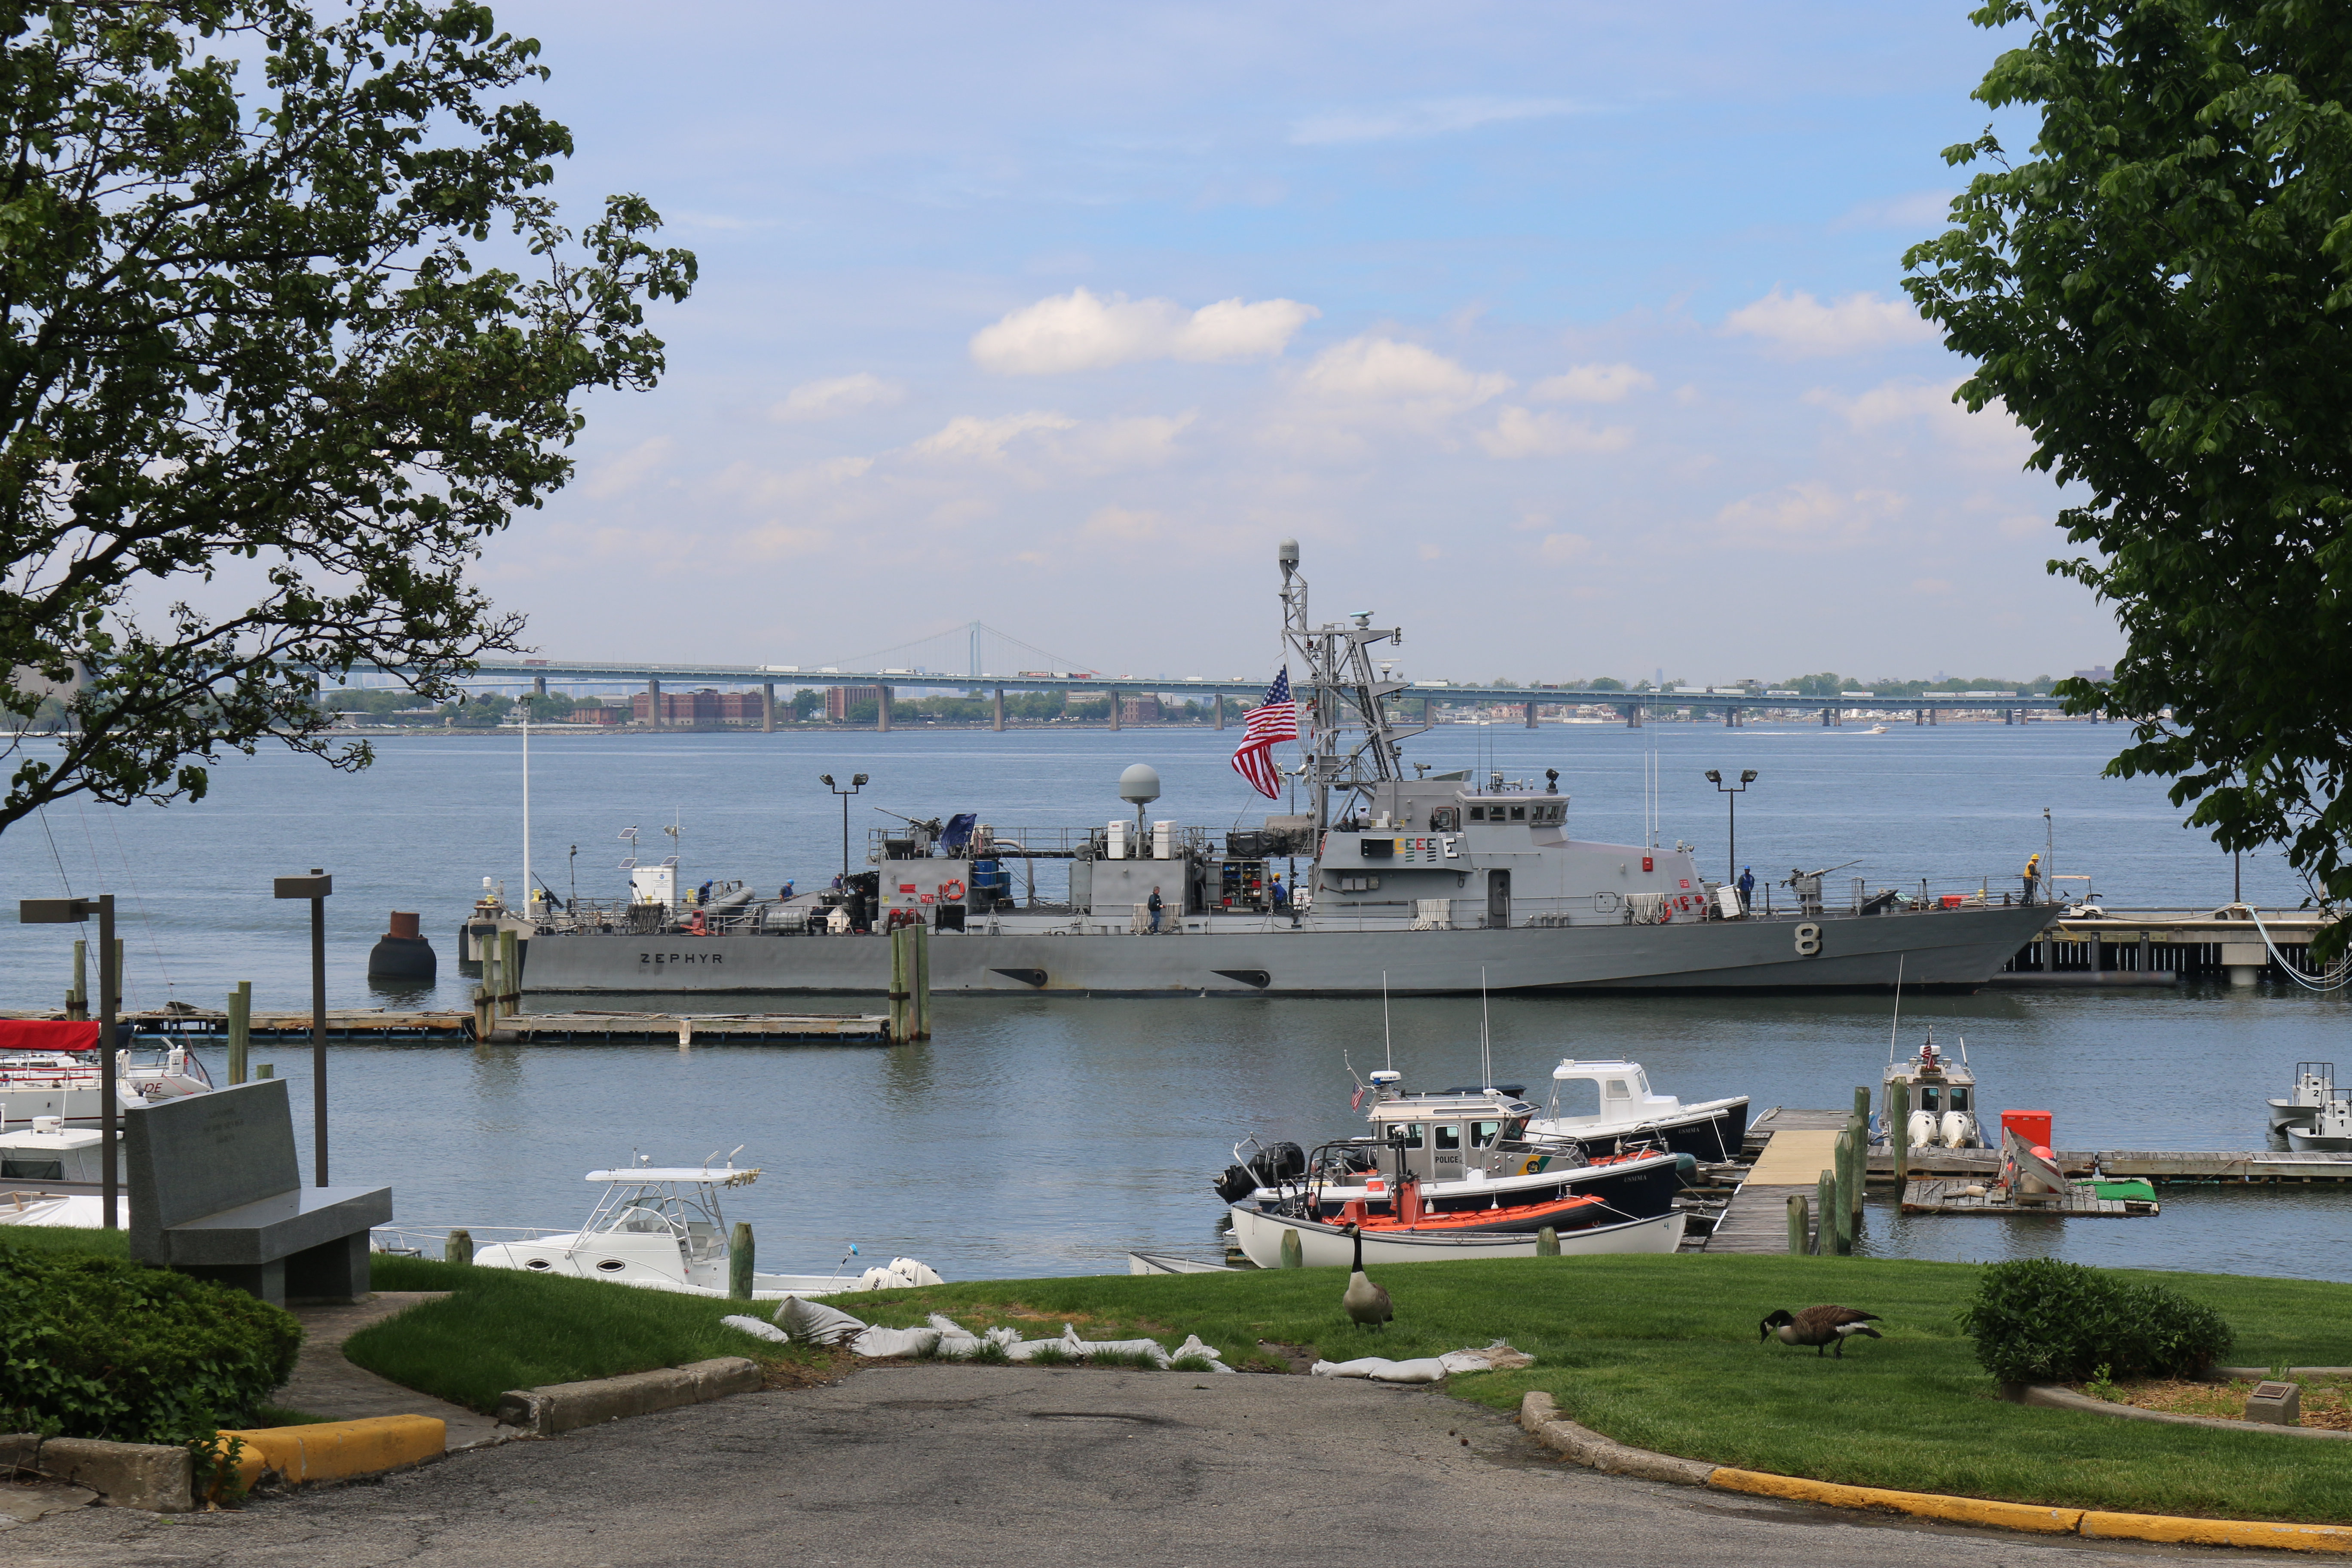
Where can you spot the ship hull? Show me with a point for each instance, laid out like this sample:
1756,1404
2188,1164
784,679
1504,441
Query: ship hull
1943,948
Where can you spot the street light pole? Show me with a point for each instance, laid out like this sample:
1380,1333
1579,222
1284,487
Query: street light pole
1732,794
856,783
315,887
67,912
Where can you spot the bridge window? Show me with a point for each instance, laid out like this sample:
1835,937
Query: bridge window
1478,813
1449,1138
1484,1134
1518,814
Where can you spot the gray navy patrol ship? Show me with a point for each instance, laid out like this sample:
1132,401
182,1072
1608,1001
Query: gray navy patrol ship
1425,883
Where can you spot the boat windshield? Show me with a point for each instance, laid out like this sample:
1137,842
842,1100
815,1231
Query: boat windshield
1930,1097
702,1242
641,1220
1959,1098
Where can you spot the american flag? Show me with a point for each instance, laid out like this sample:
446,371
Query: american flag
1267,725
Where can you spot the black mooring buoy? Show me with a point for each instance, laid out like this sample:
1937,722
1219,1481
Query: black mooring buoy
404,954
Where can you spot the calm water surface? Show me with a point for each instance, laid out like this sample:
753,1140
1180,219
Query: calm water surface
1035,1136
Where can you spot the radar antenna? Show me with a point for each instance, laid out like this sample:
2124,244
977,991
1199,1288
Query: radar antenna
1345,730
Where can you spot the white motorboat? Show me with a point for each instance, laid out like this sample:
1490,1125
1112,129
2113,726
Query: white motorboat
49,1150
1608,1107
66,1083
660,1229
2314,1083
1259,1234
2329,1132
1943,1100
1454,1159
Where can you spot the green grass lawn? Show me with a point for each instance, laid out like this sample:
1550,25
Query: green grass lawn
503,1328
1661,1353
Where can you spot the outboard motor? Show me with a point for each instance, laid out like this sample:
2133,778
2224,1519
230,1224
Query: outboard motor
1280,1163
1237,1183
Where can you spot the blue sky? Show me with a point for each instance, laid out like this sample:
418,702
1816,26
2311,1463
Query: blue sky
1567,335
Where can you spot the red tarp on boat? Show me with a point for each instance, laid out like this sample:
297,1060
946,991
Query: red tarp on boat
19,1035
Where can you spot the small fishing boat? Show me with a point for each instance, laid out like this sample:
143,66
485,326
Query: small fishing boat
660,1229
2330,1131
2314,1083
1259,1235
1943,1100
1611,1109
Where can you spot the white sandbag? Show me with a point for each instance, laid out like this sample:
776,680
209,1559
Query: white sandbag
1003,1335
879,1343
1193,1347
946,1324
1498,1356
958,1346
813,1322
1068,1344
1154,1349
753,1326
914,1271
1379,1369
1360,1367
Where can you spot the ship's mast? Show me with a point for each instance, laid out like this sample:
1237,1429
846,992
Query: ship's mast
1344,726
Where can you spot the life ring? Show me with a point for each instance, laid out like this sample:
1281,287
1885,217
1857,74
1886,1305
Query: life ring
951,888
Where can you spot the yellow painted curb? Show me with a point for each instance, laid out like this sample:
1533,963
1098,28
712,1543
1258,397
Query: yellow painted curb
2216,1531
338,1450
2041,1519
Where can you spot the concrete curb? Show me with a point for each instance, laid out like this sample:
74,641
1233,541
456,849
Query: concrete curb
155,1478
2052,1396
340,1450
567,1407
1539,1414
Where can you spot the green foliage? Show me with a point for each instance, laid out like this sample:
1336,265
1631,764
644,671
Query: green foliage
97,1347
2040,1321
256,316
2160,292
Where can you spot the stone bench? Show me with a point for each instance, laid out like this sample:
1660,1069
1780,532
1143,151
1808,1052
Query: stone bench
216,1191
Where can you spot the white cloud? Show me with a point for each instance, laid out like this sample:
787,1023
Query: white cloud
1145,441
1519,433
1918,210
1593,383
1561,549
1083,331
1431,117
1374,374
1988,435
970,439
1809,516
628,470
841,395
1801,325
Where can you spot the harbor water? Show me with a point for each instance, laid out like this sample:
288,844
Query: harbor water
1037,1135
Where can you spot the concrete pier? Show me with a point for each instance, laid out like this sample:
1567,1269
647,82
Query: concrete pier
768,709
1532,715
1114,699
882,709
1219,699
653,703
996,714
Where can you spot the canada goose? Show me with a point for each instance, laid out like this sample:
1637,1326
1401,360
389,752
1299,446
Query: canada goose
1820,1326
1366,1303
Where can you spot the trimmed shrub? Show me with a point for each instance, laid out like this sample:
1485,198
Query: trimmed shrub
2041,1321
97,1347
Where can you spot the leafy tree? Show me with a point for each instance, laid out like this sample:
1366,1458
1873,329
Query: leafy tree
1829,683
290,318
1606,683
2160,291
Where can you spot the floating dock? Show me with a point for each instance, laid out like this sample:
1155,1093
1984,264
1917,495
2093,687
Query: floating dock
385,1027
1945,1195
1787,1150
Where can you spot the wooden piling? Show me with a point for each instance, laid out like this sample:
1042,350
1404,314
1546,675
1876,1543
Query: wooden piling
1857,1130
486,1017
266,1069
459,1247
1840,1223
739,1256
1898,1124
1547,1243
240,1030
1824,1207
509,971
1293,1255
1799,1225
919,975
898,1022
77,999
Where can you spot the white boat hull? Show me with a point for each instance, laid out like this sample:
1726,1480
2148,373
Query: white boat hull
2287,1113
2304,1141
1328,1247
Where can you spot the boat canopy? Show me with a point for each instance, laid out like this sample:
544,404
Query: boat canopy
646,1175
